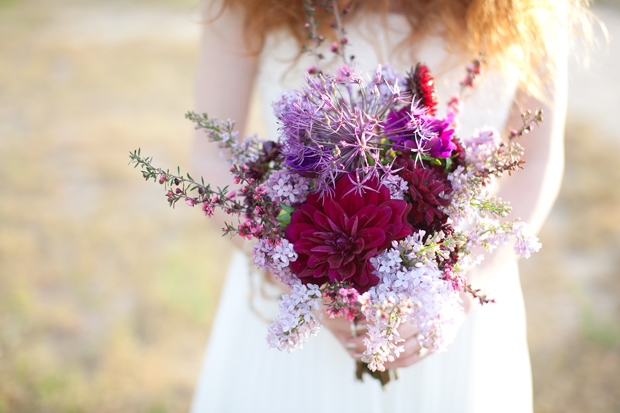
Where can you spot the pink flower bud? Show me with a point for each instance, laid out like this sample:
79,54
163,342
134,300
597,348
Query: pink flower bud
231,194
162,178
236,179
189,202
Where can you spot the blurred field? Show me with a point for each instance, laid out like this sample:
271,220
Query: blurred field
106,294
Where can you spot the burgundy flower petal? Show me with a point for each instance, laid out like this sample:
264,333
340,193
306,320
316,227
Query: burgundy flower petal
336,236
384,213
293,232
366,214
373,237
335,261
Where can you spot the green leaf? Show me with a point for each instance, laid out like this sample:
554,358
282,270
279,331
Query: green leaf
284,219
286,208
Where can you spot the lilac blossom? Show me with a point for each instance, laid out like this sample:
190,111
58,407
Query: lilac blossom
287,188
397,185
275,258
295,322
413,289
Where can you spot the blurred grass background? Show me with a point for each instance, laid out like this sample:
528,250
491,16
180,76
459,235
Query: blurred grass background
107,295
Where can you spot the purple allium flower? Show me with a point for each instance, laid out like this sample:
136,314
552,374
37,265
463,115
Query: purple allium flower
346,74
305,159
335,236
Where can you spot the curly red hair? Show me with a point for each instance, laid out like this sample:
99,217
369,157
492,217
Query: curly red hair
523,34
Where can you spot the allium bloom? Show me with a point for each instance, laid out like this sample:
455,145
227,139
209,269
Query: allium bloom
428,189
305,160
336,235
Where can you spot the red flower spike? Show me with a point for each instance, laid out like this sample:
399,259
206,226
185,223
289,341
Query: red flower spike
421,84
336,236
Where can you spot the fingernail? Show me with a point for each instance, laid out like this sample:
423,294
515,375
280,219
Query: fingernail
351,346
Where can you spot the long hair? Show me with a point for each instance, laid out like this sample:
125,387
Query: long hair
522,34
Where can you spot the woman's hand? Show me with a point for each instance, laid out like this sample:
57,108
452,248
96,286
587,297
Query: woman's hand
341,328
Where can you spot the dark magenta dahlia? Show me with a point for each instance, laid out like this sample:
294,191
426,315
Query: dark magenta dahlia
426,183
335,236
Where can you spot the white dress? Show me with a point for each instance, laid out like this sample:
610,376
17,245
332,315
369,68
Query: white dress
487,369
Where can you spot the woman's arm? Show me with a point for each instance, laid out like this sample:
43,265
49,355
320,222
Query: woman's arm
224,81
533,190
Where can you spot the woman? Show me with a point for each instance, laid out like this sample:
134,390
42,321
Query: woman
487,368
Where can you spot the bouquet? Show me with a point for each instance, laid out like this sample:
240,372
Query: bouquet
367,206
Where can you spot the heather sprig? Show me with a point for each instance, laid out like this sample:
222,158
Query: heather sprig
529,120
311,26
473,71
222,132
255,206
180,187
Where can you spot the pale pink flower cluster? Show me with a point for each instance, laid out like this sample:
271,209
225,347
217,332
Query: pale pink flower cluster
275,258
383,317
414,290
481,149
295,322
397,185
525,242
287,188
465,188
350,298
490,234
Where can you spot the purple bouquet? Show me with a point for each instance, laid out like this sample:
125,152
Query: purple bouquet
367,205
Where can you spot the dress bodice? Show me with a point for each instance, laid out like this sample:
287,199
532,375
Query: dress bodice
372,43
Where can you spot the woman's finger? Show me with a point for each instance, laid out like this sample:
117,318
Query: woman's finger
410,356
407,331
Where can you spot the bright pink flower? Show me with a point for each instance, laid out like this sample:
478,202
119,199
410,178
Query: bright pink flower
208,209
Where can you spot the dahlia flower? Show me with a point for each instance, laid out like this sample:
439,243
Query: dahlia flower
336,235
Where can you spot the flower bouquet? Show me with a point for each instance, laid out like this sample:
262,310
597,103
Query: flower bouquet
367,206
